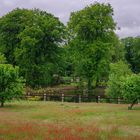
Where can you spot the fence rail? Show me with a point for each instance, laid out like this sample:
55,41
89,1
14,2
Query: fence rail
78,98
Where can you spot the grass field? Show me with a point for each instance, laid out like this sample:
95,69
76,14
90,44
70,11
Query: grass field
26,120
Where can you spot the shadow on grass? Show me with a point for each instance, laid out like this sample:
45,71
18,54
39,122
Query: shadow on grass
19,105
136,108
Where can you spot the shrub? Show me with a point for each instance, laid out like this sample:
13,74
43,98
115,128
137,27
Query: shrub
11,85
130,88
117,71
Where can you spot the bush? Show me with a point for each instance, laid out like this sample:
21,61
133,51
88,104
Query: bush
130,88
11,85
117,71
122,83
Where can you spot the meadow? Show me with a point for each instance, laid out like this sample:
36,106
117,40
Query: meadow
32,120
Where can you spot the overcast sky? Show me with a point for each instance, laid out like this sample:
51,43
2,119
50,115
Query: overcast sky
127,12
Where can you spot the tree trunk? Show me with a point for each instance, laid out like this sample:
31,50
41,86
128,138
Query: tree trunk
2,102
133,103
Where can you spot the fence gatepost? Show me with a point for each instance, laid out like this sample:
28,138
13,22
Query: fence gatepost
99,99
45,97
62,98
79,98
119,100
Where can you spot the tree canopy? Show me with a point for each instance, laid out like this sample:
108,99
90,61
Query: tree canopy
92,37
132,52
31,39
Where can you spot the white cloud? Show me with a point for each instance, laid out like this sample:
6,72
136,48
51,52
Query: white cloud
126,31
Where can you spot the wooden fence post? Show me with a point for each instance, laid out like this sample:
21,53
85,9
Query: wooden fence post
79,98
62,98
119,100
98,99
45,97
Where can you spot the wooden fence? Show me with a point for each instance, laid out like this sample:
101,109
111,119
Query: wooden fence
78,98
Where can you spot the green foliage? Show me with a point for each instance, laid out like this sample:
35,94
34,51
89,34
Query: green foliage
31,39
117,71
2,59
132,52
118,51
130,87
68,67
123,83
91,41
93,22
11,85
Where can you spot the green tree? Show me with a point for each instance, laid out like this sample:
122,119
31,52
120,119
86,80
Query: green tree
117,71
130,88
10,26
11,85
92,38
132,52
32,39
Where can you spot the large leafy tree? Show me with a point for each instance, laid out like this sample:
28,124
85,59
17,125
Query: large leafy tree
92,38
11,85
31,40
132,52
